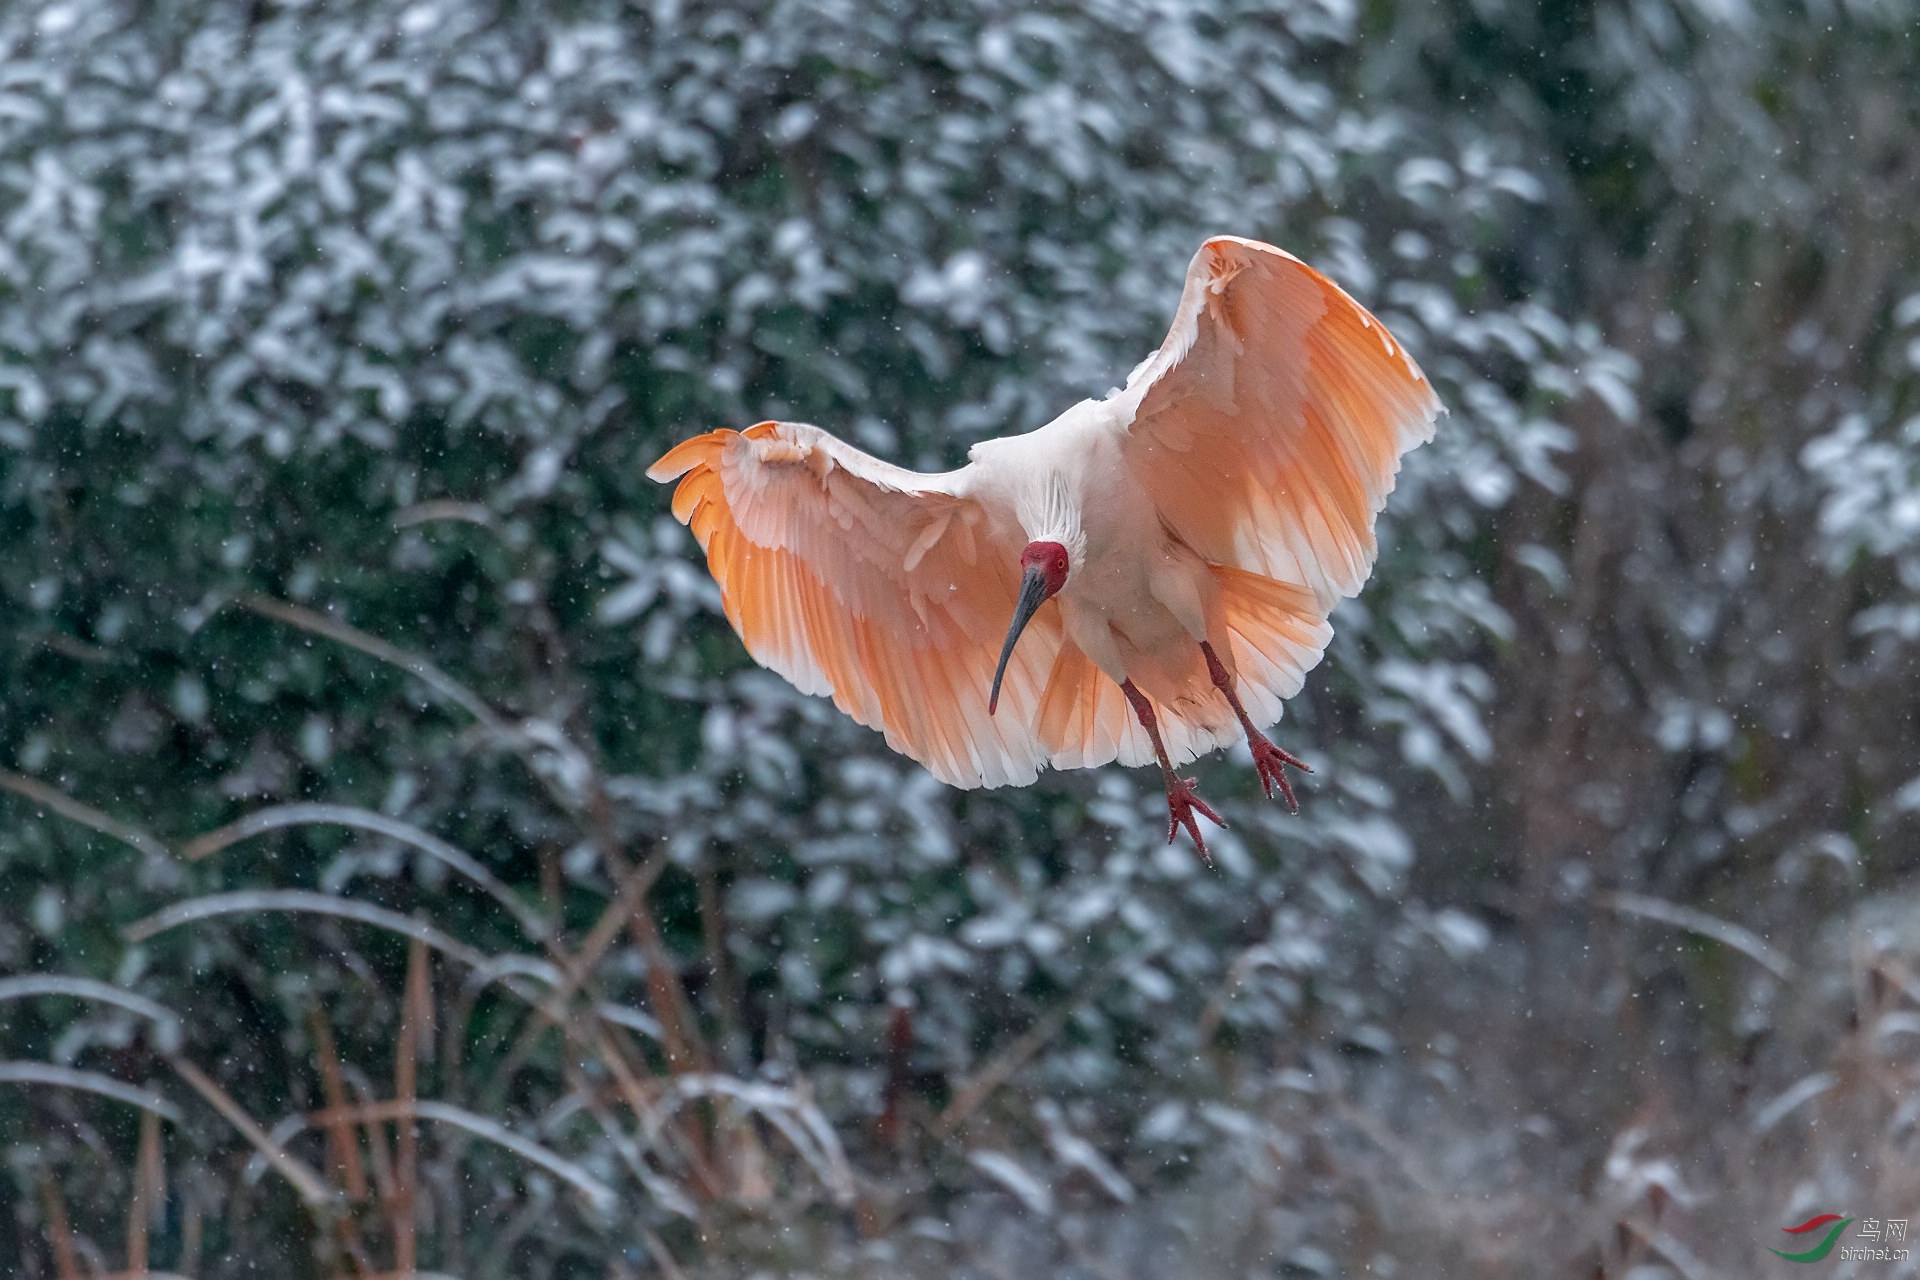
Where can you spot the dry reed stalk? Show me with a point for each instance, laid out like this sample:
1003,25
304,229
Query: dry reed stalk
679,1027
478,1125
65,1265
149,1191
639,1095
444,509
307,901
1741,939
632,897
342,1143
190,1231
686,1048
312,1188
661,1258
899,1049
415,1017
379,1154
713,933
1010,1059
997,1072
547,862
577,967
67,807
641,1102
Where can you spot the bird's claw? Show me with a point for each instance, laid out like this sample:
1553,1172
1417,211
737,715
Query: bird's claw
1182,800
1268,760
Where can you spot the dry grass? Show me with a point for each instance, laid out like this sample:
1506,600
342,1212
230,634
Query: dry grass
610,1121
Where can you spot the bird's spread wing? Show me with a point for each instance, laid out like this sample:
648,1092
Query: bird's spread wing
1268,429
887,589
1271,422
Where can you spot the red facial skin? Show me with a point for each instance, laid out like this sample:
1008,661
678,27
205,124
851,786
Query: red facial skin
1042,564
1051,559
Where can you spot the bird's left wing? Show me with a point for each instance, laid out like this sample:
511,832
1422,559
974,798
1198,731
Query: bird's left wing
887,589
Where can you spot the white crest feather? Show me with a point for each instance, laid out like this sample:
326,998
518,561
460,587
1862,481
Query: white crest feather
1048,513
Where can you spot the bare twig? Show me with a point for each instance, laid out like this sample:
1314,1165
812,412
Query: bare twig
1745,941
664,1192
1000,1070
67,807
899,1047
1010,1059
294,815
420,668
249,901
444,509
70,647
190,1234
1410,1164
643,1100
88,1082
686,1049
165,1021
1216,1007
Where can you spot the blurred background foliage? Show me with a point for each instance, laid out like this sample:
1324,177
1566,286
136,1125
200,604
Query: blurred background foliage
334,341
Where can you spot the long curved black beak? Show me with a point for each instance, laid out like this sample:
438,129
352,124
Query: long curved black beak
1033,594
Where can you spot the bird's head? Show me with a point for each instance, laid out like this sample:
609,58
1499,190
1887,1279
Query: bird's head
1043,571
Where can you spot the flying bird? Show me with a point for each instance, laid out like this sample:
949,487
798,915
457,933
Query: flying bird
1143,579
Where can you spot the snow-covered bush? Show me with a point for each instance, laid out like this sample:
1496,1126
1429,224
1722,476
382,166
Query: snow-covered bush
334,340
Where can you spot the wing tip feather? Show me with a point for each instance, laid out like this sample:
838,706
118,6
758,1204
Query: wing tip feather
696,451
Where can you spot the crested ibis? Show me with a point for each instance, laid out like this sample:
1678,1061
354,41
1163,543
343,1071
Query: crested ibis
1143,579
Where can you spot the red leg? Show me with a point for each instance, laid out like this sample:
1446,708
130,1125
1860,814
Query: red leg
1182,799
1267,758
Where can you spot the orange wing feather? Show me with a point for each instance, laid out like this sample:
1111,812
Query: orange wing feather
873,585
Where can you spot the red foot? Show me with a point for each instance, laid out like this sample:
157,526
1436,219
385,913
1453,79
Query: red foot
1182,800
1268,759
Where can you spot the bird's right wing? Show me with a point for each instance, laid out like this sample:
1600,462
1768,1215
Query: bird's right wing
887,589
1267,430
1269,426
